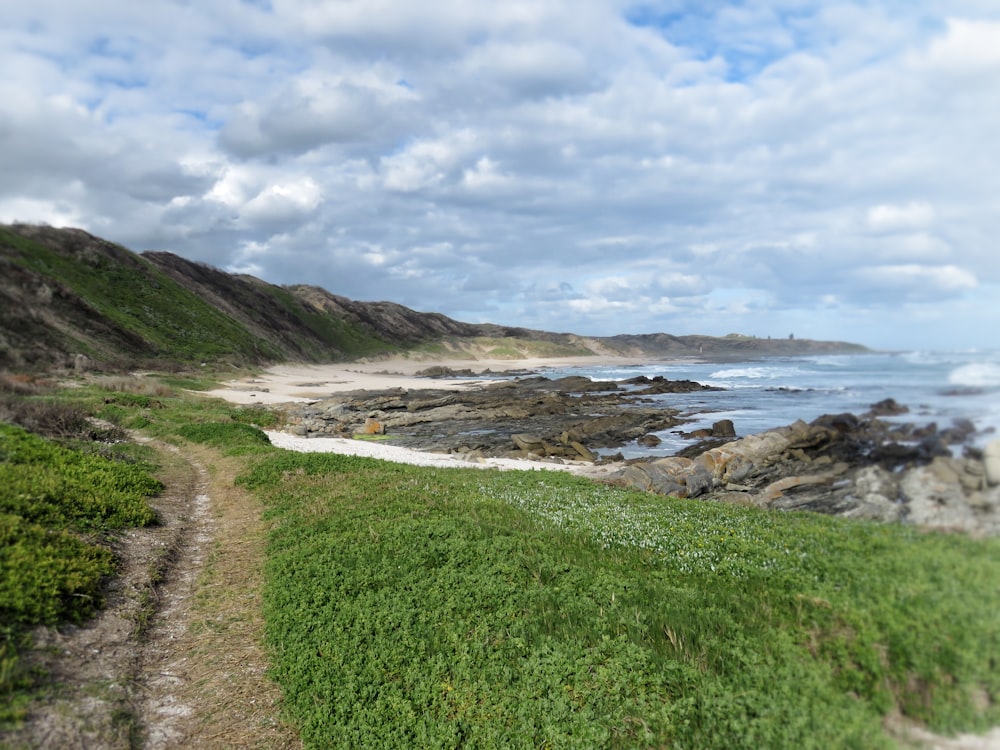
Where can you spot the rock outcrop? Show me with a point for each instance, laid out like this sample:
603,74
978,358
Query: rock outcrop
858,467
570,418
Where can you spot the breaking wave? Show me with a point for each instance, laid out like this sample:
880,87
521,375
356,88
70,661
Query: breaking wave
978,375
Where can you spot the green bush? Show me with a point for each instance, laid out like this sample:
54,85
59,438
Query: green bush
52,485
234,438
48,576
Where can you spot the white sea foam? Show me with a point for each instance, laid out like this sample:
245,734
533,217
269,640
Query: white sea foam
755,373
978,375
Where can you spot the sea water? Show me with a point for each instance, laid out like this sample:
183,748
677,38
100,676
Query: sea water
759,395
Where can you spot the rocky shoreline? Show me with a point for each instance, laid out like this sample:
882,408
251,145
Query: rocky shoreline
858,466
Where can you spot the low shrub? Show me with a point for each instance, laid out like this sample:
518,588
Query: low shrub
49,572
419,607
234,438
48,417
134,384
49,484
48,576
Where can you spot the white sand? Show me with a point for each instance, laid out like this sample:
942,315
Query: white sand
397,454
284,383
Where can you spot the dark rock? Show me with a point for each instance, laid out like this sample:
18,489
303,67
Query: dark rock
704,432
959,432
799,467
887,408
660,384
840,423
724,428
440,371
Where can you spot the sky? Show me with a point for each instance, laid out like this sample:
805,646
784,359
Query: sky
827,169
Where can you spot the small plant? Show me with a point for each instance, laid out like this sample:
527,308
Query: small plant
234,438
134,384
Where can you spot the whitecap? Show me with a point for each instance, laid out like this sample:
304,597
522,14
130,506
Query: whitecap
752,373
978,375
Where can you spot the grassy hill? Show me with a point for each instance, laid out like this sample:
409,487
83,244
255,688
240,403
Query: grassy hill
66,293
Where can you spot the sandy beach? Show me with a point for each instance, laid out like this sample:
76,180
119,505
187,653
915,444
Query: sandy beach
300,383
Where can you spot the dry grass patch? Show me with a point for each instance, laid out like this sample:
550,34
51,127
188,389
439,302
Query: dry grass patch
218,659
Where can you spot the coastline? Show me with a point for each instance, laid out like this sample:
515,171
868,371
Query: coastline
305,382
302,383
291,383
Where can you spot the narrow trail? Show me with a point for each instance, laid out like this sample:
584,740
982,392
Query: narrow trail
163,666
175,659
203,669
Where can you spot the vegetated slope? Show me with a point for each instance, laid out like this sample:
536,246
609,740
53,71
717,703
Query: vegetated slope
293,327
406,328
65,292
733,347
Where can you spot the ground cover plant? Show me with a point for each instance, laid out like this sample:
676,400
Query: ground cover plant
427,607
418,607
64,498
57,504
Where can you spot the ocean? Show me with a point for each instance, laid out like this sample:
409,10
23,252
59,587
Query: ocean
762,394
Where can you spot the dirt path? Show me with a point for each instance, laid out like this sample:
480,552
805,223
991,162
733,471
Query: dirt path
175,659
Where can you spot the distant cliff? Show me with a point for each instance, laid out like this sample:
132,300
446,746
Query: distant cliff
66,295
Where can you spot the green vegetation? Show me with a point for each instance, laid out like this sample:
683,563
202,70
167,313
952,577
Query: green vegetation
413,607
504,347
336,333
63,499
57,487
162,318
425,607
49,571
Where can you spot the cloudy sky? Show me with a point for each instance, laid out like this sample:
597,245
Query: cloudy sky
828,168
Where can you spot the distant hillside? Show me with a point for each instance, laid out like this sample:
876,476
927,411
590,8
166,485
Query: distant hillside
65,293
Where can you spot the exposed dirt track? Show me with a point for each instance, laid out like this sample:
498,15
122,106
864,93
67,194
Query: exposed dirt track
175,660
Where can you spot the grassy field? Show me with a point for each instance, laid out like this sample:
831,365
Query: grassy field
424,607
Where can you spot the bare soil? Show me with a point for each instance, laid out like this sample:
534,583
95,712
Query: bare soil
175,660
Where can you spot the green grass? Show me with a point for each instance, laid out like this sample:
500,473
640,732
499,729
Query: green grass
56,504
423,607
351,340
500,348
47,484
427,607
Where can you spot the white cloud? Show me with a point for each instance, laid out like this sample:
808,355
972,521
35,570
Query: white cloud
967,46
484,175
284,201
532,69
925,280
426,163
909,216
586,166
